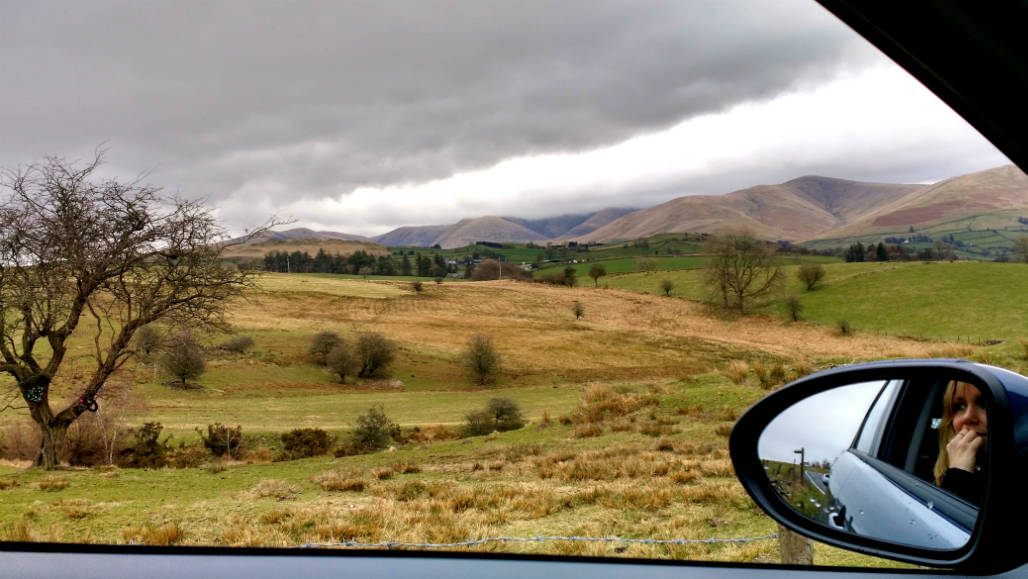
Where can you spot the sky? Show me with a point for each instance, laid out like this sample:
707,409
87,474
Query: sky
366,115
823,425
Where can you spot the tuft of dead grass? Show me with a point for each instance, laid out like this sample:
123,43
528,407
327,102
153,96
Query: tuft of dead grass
168,534
340,481
274,488
53,483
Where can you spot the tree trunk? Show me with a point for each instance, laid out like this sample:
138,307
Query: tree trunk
52,441
52,430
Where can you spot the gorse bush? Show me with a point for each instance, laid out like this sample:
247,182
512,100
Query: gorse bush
500,414
374,430
146,449
374,354
305,442
321,344
223,440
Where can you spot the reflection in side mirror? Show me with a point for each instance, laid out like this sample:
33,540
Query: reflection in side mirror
897,460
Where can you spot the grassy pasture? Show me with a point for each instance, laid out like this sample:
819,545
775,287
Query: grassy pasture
626,265
938,300
628,413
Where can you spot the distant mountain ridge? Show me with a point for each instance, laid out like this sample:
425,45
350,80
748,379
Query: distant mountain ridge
803,209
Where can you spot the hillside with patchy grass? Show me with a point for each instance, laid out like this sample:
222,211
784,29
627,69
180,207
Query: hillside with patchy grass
628,411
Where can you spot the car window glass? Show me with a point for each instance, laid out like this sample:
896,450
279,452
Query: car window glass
871,430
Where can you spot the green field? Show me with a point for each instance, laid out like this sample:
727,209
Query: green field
625,265
974,301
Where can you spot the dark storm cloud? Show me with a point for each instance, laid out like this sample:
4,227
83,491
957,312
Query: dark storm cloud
322,97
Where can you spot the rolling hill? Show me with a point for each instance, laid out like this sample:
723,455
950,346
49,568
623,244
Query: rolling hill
814,207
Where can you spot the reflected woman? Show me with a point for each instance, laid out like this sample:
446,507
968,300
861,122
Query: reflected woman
962,436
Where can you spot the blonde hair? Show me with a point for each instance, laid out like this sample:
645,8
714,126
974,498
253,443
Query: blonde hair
946,431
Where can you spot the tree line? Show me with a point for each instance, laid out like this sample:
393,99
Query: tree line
359,262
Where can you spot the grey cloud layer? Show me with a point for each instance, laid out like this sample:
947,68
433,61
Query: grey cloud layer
312,99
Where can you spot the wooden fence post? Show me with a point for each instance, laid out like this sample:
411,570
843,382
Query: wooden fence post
796,549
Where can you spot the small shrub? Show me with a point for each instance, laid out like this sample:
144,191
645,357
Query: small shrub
382,473
845,329
340,361
724,430
183,357
223,440
321,344
374,354
578,309
481,359
148,341
188,456
417,286
6,483
500,414
305,442
794,307
811,274
237,344
146,449
374,430
667,285
438,280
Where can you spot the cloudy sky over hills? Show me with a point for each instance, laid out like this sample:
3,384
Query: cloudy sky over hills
362,116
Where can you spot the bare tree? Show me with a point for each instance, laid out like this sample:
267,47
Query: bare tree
75,247
596,272
740,268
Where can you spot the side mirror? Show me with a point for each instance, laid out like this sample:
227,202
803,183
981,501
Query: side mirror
918,460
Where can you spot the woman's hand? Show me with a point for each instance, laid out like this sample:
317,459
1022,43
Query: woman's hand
963,449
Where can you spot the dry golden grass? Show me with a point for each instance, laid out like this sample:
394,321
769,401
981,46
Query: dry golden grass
274,488
167,534
53,483
343,481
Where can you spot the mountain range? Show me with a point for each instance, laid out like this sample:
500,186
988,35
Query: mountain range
803,209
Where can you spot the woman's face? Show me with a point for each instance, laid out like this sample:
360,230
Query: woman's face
968,410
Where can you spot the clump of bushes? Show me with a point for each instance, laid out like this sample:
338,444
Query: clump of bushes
223,440
321,344
305,442
500,414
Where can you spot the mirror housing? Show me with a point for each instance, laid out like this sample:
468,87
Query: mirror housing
993,546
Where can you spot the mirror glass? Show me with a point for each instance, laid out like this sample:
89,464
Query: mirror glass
900,460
